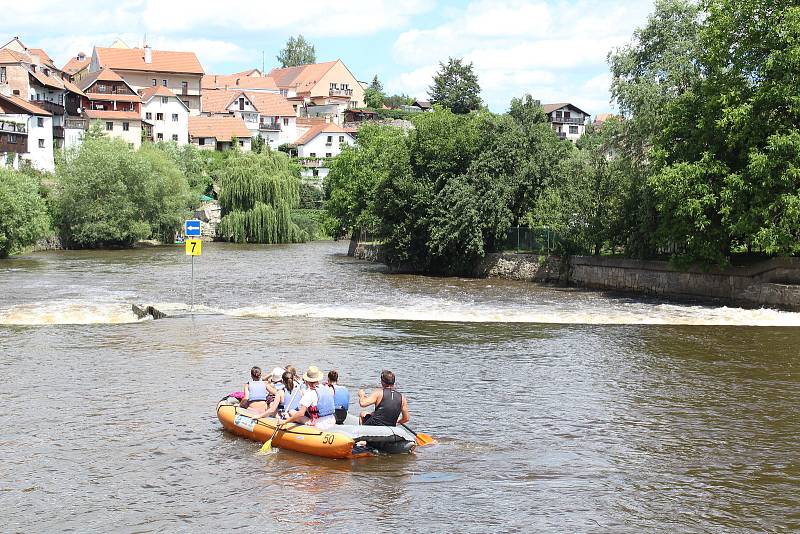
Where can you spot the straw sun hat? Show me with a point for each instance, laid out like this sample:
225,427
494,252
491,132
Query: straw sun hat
313,374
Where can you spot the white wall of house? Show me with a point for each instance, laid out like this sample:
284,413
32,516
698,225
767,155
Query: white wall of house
73,137
572,131
133,136
174,125
40,142
325,144
313,176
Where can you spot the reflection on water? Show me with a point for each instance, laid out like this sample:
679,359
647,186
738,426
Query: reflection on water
556,410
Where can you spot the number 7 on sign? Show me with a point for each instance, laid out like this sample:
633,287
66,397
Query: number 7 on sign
194,247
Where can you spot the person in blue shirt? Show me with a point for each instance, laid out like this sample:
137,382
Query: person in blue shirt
341,397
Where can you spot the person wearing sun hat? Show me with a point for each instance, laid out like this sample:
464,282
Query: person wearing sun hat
316,404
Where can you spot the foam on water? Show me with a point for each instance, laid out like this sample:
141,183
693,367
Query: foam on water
68,312
429,310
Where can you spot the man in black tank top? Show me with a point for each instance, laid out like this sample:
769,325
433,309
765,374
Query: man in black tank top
391,407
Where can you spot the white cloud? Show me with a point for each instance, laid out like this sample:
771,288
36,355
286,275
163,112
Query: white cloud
546,48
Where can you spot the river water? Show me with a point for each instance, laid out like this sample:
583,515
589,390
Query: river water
556,409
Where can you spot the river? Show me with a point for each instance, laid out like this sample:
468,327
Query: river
556,409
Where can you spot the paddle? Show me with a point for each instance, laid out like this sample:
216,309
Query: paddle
268,444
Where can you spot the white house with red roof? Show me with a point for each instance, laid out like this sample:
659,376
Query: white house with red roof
219,132
114,103
26,133
320,142
269,115
180,72
165,116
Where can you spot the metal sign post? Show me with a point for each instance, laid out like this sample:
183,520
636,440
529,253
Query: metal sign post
194,247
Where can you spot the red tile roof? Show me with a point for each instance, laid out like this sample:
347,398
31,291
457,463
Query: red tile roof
12,56
318,129
47,81
69,86
111,114
163,60
103,75
301,78
218,101
159,90
75,65
13,104
221,128
236,81
549,108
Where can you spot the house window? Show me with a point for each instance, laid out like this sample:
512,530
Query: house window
148,116
558,114
3,78
330,140
566,115
165,100
341,139
241,142
312,155
174,117
160,137
40,122
315,172
159,116
184,87
155,82
175,137
101,88
126,126
12,139
573,129
333,86
241,104
164,83
345,87
109,126
201,141
285,121
41,143
327,154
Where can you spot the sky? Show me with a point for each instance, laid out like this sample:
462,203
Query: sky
555,50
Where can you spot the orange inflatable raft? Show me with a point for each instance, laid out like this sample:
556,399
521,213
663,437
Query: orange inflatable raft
338,441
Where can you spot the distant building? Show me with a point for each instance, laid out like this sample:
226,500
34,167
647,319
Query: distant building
26,133
423,105
323,90
251,80
360,115
269,115
318,143
568,121
114,103
219,133
180,72
77,67
165,116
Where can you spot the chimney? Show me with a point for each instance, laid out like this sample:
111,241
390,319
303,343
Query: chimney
148,54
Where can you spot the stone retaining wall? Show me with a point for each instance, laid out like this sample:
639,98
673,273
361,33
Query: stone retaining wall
773,283
526,267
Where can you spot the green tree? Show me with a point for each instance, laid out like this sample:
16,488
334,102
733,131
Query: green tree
258,192
24,219
455,87
297,51
373,95
395,101
110,196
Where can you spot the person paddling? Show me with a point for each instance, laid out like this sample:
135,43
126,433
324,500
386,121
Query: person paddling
255,392
316,405
341,397
391,407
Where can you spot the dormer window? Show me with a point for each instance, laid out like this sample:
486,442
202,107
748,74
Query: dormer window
47,72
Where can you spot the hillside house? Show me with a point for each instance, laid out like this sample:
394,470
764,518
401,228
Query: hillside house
165,116
320,142
115,104
219,132
568,121
26,133
269,115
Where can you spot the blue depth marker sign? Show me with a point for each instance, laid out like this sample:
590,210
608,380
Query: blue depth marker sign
191,228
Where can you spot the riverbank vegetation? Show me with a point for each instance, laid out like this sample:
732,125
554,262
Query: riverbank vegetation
24,213
703,164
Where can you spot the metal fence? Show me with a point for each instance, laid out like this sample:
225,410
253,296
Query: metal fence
524,239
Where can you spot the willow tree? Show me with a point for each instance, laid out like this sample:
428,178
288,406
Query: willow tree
258,192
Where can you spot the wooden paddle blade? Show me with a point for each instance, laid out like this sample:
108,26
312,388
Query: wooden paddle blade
425,439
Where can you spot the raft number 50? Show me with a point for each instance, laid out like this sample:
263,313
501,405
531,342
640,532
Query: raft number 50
328,439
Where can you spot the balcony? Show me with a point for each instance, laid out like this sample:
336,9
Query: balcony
52,107
565,120
274,126
13,127
76,124
340,92
312,163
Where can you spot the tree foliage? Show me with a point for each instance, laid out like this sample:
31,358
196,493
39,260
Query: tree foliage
455,87
25,218
297,52
257,194
108,195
